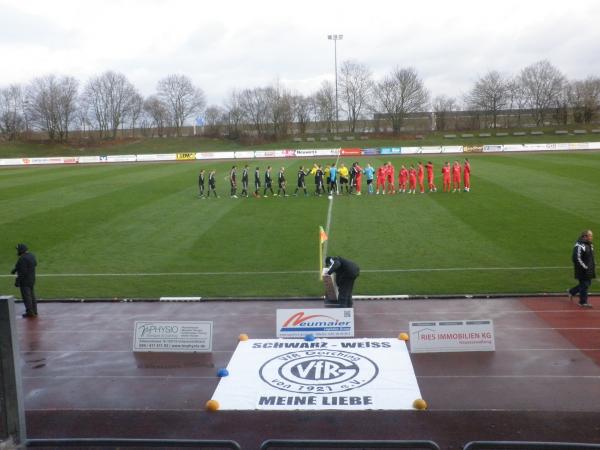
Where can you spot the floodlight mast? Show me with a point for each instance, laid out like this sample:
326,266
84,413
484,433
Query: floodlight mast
335,38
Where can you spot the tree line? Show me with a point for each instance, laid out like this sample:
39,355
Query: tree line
58,104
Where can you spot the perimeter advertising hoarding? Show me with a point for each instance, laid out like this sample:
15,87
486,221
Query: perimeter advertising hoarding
244,155
326,322
11,162
275,153
302,153
173,336
452,336
215,155
158,157
351,152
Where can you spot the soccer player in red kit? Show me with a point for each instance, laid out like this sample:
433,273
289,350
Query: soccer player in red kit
421,177
357,178
446,176
381,179
390,178
456,176
412,180
467,175
429,167
402,179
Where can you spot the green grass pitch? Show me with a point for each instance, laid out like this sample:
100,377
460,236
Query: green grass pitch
140,230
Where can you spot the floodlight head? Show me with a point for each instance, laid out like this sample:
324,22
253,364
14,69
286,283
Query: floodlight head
330,37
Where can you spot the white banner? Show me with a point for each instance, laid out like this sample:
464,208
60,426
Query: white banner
326,322
341,374
11,162
215,155
43,161
452,336
411,150
451,149
493,148
157,157
302,153
513,147
172,336
89,159
244,155
275,153
119,158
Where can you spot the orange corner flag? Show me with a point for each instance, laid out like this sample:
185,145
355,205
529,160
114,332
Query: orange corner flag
322,234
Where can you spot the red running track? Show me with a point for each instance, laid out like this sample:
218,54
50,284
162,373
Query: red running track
81,379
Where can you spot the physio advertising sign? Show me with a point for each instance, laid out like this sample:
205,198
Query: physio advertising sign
172,336
341,374
329,322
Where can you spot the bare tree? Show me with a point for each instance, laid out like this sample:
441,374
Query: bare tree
181,97
108,98
584,99
542,86
490,94
324,104
442,105
12,116
356,85
52,103
302,108
158,114
135,110
516,99
213,120
280,112
235,114
255,105
399,93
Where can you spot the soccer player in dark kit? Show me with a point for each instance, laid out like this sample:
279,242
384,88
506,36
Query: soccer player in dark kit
257,182
281,182
233,182
212,183
245,181
201,177
319,187
268,182
301,182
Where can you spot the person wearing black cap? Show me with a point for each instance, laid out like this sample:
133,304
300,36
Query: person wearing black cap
346,272
25,270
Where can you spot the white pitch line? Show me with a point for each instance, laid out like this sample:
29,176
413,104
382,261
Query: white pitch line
290,272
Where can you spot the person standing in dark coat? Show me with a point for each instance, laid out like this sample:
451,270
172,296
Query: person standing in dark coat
25,270
346,272
585,267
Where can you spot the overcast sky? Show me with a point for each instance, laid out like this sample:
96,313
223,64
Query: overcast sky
222,44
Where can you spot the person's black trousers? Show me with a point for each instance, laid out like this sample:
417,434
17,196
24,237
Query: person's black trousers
581,289
28,296
345,286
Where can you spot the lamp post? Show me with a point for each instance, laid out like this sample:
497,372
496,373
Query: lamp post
335,38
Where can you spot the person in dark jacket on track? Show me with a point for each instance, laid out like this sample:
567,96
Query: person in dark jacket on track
585,267
25,270
345,272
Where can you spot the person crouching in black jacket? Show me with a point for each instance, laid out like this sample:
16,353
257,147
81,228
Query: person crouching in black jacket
25,270
346,272
585,267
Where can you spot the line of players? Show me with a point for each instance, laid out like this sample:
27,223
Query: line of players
334,180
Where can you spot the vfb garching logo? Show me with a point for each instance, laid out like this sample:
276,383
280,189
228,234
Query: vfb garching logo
318,371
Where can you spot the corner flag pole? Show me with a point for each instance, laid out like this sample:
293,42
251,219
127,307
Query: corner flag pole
322,238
